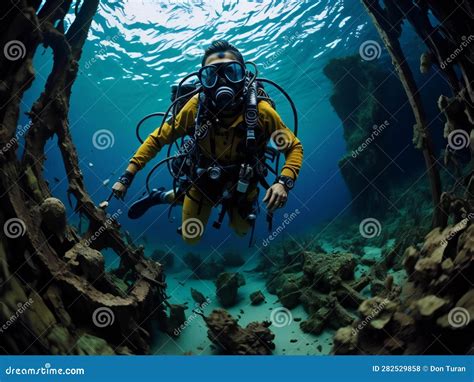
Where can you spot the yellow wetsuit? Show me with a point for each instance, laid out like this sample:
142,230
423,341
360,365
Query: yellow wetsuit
227,150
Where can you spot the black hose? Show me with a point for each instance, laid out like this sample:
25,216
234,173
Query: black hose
155,167
137,129
292,104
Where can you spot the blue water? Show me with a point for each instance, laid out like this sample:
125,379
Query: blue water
137,49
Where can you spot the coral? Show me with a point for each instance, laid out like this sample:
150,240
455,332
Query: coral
433,313
231,338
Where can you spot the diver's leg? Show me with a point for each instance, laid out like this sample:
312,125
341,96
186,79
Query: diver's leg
239,222
157,196
196,211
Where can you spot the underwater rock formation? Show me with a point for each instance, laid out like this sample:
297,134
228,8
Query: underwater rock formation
176,319
372,136
227,287
433,313
53,278
257,298
224,331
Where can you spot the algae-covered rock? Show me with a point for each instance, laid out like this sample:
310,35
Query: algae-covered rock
327,271
176,319
86,261
88,344
345,341
257,298
427,306
373,137
227,286
53,215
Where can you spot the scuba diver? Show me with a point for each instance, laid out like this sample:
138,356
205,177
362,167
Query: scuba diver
225,126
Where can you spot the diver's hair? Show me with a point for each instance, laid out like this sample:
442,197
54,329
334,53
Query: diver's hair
222,46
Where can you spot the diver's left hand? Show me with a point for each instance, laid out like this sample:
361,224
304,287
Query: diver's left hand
275,197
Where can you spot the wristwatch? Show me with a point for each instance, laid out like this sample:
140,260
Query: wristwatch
126,178
286,181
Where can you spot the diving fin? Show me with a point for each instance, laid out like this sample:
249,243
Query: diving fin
142,205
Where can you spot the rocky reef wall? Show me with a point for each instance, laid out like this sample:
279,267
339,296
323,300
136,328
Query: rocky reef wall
55,295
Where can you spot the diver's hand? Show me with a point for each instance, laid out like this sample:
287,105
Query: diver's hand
119,190
275,197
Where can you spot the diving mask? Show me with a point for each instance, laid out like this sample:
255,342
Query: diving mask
223,82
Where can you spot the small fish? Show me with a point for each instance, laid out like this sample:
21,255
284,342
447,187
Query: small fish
198,297
91,164
56,179
106,182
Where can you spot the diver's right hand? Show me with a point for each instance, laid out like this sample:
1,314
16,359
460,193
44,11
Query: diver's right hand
119,189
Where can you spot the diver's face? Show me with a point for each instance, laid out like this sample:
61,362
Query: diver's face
225,88
220,58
